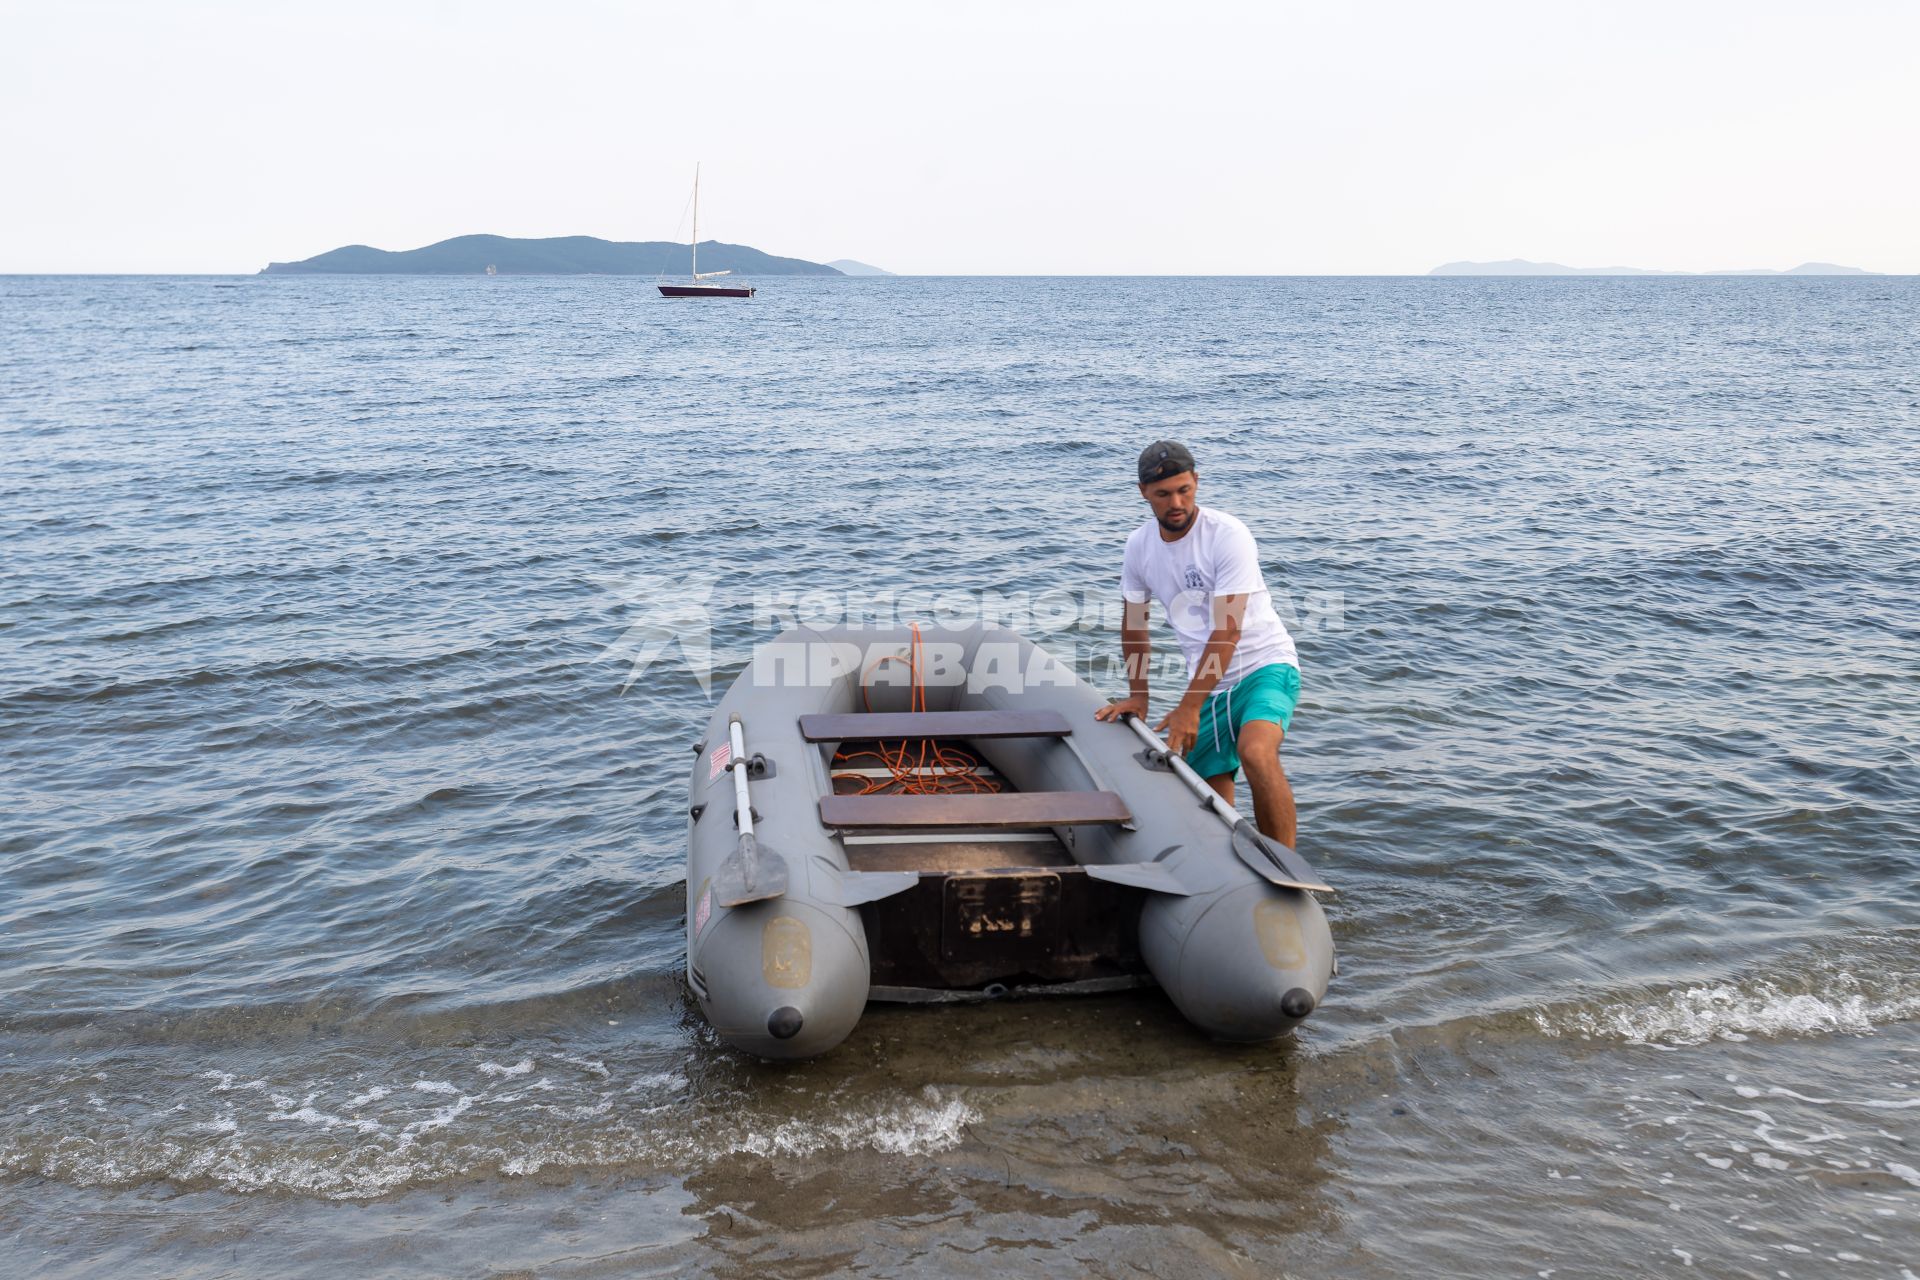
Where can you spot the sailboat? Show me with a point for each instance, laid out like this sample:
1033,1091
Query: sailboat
694,288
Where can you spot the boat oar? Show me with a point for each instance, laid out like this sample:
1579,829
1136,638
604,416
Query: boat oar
1271,859
752,871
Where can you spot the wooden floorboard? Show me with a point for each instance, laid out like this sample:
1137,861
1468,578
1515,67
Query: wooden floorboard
958,855
934,724
992,811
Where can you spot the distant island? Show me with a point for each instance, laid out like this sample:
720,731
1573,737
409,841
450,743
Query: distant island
1521,267
848,267
554,256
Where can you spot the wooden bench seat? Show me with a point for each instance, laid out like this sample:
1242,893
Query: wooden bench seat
982,812
934,724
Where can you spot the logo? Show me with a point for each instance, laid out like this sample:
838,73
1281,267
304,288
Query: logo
659,614
673,612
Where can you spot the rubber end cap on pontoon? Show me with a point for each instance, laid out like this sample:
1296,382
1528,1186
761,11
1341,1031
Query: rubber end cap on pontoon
1297,1003
784,1023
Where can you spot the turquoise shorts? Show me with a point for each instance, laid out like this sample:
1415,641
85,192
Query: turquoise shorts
1266,693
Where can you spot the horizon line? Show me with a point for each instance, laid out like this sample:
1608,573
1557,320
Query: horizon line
1739,274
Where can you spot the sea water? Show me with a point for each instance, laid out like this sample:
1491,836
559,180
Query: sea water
354,633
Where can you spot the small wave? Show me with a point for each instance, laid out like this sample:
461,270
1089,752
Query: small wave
1876,1104
910,1129
1825,999
254,1136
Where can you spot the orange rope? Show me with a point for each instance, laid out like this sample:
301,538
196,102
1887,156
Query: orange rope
934,770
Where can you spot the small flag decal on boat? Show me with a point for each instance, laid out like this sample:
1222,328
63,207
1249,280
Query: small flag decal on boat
721,754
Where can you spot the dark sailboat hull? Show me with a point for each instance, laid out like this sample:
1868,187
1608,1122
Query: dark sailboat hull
705,291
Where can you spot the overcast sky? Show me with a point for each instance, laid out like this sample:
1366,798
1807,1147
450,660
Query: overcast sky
1030,138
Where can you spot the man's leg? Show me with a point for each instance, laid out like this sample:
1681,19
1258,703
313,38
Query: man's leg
1223,783
1272,794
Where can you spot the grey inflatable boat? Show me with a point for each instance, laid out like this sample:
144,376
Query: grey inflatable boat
933,813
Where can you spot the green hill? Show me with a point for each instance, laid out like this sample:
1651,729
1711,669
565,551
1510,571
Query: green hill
554,256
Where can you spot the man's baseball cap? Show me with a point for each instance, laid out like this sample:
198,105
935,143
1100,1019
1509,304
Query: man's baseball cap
1163,458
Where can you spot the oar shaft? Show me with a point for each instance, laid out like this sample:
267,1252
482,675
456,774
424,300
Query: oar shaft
742,806
1184,771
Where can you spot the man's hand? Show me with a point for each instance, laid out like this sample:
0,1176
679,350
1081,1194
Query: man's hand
1180,727
1135,706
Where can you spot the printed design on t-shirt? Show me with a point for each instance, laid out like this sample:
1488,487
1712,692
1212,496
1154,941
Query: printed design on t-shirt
1194,581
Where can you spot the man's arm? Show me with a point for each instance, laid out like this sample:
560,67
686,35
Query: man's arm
1136,647
1182,724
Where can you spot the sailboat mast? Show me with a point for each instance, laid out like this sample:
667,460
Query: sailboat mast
696,219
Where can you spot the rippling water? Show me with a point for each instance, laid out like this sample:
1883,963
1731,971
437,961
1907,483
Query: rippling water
340,918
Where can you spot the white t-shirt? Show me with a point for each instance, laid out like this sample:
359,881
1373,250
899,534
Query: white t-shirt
1215,557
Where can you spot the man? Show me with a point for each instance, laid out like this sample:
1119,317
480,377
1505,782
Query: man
1243,676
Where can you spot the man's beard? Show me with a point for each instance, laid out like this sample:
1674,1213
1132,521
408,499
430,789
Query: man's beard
1186,522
